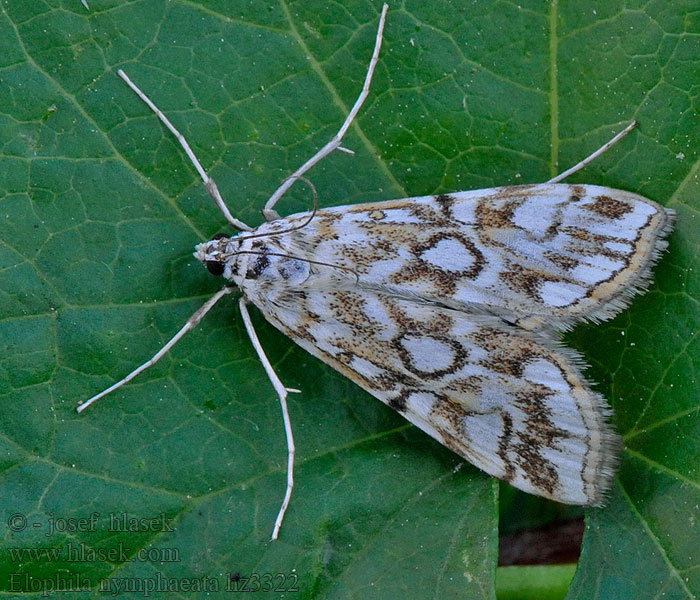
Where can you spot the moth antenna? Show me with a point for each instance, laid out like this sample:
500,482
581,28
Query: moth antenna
304,224
190,324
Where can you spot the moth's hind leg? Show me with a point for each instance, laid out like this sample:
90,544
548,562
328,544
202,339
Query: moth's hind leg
606,146
209,183
269,211
282,395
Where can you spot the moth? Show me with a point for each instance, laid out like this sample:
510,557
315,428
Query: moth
449,309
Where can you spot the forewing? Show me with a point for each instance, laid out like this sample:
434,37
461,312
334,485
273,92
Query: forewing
540,256
511,402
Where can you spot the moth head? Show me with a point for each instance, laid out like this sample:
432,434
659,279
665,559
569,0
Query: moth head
214,253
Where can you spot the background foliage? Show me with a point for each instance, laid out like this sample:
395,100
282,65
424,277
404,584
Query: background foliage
101,211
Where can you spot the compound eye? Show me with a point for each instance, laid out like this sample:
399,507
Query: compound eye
215,267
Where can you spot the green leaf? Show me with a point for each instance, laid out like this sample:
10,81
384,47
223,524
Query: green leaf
533,582
102,210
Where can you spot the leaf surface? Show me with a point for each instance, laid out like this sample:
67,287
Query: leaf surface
102,210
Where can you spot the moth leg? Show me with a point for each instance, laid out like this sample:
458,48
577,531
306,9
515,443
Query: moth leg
268,211
209,183
282,395
190,324
606,146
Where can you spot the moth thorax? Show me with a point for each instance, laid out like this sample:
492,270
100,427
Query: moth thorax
266,260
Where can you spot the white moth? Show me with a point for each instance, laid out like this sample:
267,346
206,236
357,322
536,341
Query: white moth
448,308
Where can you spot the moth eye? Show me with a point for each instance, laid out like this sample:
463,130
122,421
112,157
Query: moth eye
215,267
219,236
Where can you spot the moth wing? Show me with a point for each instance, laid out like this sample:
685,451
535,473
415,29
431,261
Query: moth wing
512,403
540,256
